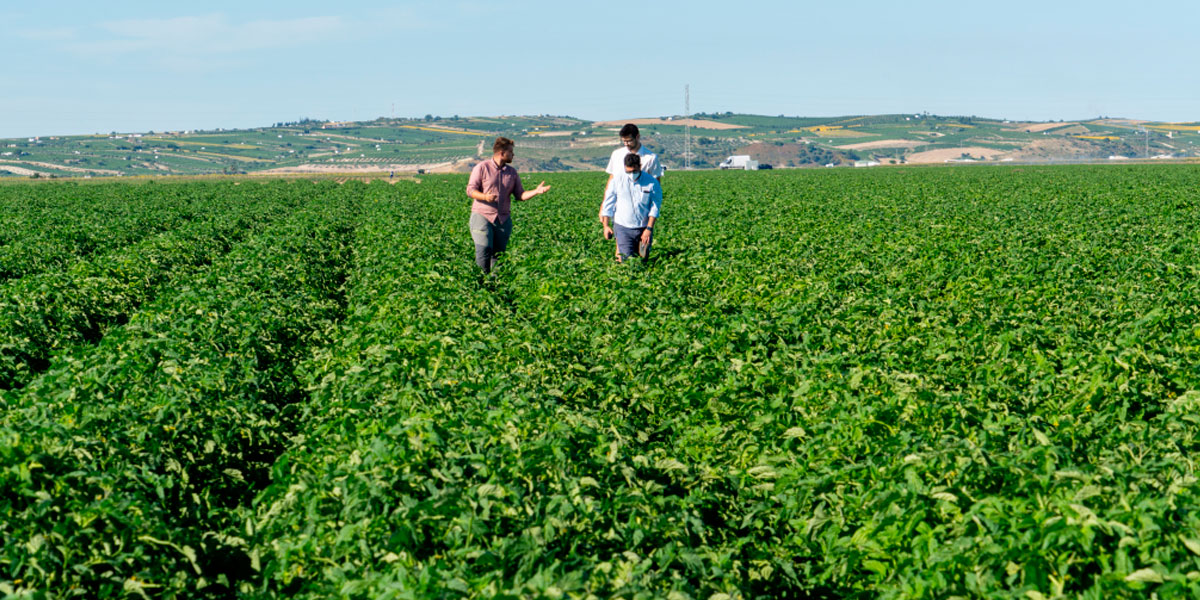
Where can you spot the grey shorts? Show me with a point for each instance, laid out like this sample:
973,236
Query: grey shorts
486,234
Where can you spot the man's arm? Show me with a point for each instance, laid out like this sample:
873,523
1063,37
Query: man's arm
475,187
611,170
607,210
542,188
602,196
646,233
655,203
655,206
482,197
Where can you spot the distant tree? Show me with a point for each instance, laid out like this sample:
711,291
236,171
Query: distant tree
428,117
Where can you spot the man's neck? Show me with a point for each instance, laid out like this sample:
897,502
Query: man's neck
635,148
499,163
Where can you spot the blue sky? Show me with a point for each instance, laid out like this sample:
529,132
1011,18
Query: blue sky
87,67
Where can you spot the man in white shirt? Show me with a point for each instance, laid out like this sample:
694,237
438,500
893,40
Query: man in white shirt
631,143
632,201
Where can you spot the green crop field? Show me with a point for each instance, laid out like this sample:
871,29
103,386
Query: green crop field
902,383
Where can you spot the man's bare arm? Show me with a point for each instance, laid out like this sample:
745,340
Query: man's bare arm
480,196
542,188
646,232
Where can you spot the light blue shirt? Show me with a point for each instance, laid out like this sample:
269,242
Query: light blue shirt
632,199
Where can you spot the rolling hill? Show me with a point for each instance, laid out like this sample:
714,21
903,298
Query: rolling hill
560,143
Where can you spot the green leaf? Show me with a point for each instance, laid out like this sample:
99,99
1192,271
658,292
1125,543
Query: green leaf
1146,575
1040,437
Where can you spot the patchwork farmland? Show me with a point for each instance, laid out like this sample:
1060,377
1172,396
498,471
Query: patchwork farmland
549,143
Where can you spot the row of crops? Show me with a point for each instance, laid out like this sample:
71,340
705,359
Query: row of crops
41,229
904,383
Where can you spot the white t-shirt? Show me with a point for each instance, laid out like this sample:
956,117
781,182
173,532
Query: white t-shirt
616,162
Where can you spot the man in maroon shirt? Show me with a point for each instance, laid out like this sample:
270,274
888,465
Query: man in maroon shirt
492,185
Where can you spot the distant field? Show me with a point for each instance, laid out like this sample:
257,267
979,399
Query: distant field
548,143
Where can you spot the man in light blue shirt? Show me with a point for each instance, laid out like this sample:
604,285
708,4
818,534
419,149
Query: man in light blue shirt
632,202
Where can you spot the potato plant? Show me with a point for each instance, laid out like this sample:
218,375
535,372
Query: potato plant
123,463
47,228
902,383
45,313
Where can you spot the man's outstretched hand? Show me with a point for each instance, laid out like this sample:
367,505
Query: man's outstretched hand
542,188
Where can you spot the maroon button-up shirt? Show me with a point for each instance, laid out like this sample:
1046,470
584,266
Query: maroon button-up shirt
487,178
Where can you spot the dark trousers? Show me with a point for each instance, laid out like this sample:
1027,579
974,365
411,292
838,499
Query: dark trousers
628,239
490,240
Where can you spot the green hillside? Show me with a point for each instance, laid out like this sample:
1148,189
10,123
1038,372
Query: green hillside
551,143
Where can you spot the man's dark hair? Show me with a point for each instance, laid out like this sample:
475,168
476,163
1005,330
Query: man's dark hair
502,144
633,160
629,130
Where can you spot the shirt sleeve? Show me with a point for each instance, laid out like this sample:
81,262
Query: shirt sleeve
656,200
656,171
611,169
518,189
609,208
475,182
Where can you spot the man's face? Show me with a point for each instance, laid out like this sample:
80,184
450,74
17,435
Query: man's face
632,143
505,156
629,169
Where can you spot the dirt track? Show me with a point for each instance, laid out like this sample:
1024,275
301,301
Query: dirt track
698,123
56,167
1039,127
883,144
945,154
347,169
19,171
